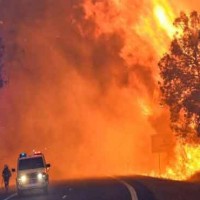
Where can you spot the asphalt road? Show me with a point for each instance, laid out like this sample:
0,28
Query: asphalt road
122,188
93,189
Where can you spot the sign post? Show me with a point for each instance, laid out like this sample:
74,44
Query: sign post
160,143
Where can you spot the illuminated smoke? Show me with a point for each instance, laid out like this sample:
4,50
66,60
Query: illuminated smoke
83,83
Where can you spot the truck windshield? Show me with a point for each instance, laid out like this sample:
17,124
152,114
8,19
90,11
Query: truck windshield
31,163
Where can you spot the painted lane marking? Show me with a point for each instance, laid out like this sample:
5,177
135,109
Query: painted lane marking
11,196
131,189
65,196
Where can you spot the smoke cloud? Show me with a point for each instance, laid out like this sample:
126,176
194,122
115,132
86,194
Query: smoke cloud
82,85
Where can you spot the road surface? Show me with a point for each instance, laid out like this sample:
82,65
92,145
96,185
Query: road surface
94,189
121,188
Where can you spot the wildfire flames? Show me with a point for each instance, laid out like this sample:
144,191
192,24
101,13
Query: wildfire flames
186,164
156,26
83,85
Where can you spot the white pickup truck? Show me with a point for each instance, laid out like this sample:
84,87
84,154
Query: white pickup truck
32,173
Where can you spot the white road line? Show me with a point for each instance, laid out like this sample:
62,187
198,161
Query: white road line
131,189
11,196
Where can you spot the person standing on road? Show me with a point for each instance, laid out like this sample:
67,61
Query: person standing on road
6,174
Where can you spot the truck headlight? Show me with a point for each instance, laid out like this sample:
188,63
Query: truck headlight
23,178
40,176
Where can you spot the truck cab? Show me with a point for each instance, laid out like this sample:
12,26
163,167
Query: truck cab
32,173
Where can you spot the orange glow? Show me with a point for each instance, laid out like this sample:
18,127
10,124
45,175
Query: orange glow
153,27
83,84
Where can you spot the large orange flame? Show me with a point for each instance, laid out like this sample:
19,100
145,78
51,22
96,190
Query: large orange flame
154,26
165,16
186,162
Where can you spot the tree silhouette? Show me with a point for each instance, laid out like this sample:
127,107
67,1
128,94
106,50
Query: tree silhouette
180,74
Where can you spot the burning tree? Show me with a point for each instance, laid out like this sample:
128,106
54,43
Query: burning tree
180,74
